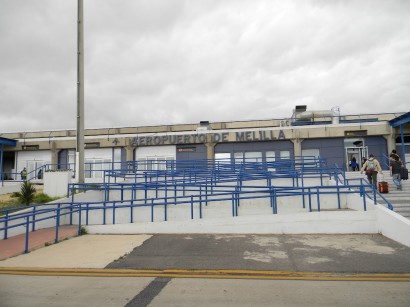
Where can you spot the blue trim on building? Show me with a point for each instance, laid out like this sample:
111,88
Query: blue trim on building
401,120
8,142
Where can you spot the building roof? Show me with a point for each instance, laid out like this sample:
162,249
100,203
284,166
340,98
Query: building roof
400,120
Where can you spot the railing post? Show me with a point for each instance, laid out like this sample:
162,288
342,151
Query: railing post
165,209
6,224
57,222
122,193
145,186
275,203
156,189
338,197
175,190
132,208
364,197
236,201
206,194
318,199
33,226
192,207
86,213
27,234
233,203
79,219
152,210
113,212
200,210
321,176
310,199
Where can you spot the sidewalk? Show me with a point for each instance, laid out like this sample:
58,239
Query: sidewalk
15,246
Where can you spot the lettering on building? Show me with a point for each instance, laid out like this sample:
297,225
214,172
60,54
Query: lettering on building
245,136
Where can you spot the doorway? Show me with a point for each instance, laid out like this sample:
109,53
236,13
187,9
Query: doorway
359,153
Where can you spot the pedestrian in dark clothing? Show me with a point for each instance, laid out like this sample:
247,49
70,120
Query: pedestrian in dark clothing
354,165
394,155
23,174
395,170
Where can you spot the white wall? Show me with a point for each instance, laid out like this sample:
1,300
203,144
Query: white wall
98,153
393,225
155,151
56,183
23,158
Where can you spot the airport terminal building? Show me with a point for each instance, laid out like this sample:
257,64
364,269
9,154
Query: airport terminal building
326,134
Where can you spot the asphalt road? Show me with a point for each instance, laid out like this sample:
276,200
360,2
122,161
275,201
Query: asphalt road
229,270
312,253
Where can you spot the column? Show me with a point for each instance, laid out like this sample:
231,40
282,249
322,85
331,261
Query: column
210,150
54,156
297,147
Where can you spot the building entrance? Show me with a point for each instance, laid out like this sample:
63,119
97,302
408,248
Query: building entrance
358,153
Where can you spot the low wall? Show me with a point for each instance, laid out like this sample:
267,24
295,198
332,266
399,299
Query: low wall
56,182
393,225
298,223
64,219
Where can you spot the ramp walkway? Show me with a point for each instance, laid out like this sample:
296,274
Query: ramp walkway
16,245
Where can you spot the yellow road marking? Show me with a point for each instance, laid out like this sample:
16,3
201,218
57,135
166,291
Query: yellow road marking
216,274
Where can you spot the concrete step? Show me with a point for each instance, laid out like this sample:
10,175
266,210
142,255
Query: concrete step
400,199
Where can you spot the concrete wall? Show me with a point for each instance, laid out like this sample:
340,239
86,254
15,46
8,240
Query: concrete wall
91,196
393,225
55,183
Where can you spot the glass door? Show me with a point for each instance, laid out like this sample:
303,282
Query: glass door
357,153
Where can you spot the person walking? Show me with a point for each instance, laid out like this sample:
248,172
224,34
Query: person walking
395,171
23,174
394,155
354,165
372,167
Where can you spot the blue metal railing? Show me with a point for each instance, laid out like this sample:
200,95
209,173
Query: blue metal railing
192,188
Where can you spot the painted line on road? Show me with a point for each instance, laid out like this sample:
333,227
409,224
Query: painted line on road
221,274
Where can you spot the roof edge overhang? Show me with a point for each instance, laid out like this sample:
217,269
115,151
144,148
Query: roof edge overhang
400,120
9,142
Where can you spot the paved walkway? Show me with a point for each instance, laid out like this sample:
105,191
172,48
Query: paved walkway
15,246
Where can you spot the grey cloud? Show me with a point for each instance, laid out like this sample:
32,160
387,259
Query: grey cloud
163,62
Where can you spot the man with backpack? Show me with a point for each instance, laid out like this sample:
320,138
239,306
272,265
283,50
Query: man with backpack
372,167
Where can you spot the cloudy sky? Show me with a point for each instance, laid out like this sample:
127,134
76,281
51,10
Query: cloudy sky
150,62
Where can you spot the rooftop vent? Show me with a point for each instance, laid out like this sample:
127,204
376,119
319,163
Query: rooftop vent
203,126
300,109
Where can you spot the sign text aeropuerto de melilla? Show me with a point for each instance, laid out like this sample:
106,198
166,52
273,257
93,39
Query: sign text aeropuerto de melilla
246,136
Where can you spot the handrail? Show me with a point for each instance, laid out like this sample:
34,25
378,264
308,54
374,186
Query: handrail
194,188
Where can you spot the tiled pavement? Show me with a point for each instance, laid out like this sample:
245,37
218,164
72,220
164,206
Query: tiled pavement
16,245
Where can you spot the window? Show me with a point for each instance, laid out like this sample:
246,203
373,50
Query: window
116,159
253,156
94,168
238,157
285,154
32,168
223,157
71,160
270,159
153,163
